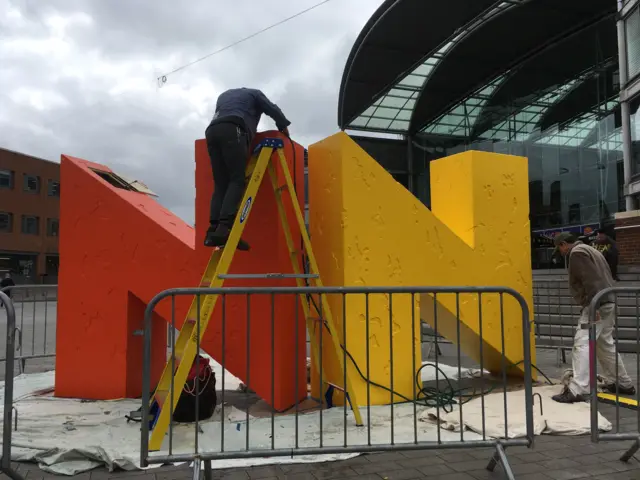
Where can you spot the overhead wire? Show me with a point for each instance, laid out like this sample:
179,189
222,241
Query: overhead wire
162,79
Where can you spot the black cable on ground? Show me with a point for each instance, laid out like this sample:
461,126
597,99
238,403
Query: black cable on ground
432,396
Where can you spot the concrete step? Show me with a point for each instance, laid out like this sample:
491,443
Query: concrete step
624,346
572,321
574,310
539,300
567,331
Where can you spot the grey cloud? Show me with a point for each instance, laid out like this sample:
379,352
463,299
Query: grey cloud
140,133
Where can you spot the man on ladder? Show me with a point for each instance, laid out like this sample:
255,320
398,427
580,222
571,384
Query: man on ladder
229,136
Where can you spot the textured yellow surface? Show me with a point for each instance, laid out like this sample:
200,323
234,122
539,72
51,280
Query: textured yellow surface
368,230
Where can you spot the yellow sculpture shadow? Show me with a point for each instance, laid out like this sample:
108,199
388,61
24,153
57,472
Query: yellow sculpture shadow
368,230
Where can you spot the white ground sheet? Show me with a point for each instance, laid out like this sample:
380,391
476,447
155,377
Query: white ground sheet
556,418
66,436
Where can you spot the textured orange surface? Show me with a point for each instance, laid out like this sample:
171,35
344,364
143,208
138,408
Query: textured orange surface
120,248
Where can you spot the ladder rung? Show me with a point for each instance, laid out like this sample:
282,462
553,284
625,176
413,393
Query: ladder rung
265,275
205,284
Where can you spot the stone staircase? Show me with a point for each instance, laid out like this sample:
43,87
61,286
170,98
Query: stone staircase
556,314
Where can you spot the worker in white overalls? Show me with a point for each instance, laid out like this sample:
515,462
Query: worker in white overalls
589,274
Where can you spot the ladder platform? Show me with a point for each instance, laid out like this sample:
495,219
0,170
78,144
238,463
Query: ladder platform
269,143
230,276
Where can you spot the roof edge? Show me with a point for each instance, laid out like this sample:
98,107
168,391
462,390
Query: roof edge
355,49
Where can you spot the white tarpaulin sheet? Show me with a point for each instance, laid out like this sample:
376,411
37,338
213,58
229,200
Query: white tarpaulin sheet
556,418
67,436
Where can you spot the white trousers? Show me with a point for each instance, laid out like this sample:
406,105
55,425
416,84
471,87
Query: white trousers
605,352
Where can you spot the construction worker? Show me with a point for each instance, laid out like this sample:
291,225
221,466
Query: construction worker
229,136
589,274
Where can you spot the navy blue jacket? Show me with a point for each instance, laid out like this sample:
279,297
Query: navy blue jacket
244,107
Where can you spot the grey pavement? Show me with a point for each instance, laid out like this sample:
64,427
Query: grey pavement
553,457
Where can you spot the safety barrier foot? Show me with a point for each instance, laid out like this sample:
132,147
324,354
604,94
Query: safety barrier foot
631,452
501,456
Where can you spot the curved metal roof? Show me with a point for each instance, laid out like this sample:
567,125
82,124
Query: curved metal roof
416,59
544,72
398,38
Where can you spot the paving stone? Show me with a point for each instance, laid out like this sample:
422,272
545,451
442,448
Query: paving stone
404,474
469,466
597,469
375,467
435,470
259,473
453,476
420,462
456,457
337,472
566,474
560,463
529,457
533,476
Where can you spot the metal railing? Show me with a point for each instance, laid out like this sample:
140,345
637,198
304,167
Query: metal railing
554,317
7,423
388,426
35,322
605,333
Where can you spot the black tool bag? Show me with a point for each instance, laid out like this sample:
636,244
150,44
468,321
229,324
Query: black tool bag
201,376
205,380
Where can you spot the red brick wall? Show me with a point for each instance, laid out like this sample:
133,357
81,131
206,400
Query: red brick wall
628,240
18,202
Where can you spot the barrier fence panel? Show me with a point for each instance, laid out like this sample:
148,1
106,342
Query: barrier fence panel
554,314
613,324
404,405
36,312
7,423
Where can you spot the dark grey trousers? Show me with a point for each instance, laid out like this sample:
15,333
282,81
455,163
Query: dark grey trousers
228,147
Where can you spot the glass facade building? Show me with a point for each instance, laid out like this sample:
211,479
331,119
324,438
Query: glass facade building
556,103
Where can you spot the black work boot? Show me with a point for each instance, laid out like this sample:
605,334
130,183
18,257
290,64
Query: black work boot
612,387
220,236
567,396
209,237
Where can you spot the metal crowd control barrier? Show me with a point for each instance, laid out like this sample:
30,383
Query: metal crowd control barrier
554,316
36,322
601,336
7,422
301,432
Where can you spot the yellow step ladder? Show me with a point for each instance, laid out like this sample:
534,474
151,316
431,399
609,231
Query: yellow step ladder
186,344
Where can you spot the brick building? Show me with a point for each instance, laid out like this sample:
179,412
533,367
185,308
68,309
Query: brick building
29,213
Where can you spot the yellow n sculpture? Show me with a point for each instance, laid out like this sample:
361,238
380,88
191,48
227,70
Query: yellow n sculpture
368,230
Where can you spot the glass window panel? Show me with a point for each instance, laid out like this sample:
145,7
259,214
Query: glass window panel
404,115
379,123
360,122
383,112
399,92
400,125
424,69
412,81
632,28
393,102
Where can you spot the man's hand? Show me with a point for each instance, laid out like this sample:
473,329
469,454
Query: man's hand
598,316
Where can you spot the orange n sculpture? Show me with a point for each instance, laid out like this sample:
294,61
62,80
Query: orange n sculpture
120,247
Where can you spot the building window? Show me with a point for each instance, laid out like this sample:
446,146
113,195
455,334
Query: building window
31,183
53,225
53,188
30,225
6,179
6,222
632,31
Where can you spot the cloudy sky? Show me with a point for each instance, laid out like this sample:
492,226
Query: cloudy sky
79,77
